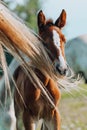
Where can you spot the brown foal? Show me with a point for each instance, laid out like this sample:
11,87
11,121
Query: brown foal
37,107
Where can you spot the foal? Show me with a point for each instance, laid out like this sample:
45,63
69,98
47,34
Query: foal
36,105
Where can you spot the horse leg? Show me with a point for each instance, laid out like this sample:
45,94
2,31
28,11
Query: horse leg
54,122
18,114
24,121
28,120
19,124
43,126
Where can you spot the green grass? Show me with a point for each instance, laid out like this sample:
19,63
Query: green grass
77,92
73,109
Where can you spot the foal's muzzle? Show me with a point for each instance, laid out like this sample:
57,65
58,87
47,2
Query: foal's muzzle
61,71
61,67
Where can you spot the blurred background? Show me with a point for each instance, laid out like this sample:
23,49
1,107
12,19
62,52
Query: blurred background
76,13
73,105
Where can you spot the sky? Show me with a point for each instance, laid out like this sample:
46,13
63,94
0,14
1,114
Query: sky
76,15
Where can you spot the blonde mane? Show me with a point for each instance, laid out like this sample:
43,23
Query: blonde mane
25,44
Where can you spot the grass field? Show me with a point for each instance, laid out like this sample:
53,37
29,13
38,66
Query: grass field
73,109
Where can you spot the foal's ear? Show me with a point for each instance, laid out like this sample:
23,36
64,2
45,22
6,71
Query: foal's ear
41,20
61,21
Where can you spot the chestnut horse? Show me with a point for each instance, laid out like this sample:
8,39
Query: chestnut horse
36,107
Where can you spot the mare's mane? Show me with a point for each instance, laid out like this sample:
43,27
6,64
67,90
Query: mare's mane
32,49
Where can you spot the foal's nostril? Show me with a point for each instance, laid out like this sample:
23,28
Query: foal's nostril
57,68
65,70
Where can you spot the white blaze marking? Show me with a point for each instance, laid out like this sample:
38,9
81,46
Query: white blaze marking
56,40
62,61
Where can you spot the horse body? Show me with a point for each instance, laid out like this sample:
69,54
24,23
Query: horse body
35,105
76,55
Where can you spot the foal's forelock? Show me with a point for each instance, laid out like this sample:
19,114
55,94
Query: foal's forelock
56,40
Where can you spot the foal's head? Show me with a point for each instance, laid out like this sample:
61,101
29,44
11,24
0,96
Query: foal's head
54,39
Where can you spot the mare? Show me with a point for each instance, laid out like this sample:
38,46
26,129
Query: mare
76,52
36,106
